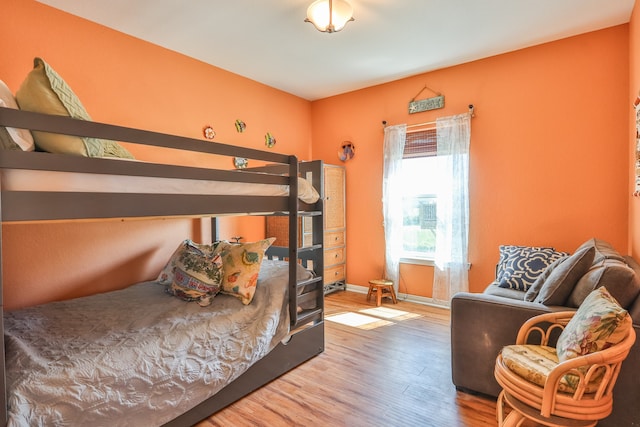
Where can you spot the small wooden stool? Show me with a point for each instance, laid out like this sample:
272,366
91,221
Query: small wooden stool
382,288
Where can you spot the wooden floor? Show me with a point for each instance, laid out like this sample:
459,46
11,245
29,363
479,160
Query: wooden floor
392,372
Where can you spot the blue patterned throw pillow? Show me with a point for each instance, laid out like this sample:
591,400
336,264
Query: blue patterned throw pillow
519,266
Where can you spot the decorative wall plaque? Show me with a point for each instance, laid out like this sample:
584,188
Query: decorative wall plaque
426,104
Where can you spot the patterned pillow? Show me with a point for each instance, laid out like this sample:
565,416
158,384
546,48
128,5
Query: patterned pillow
241,263
197,275
44,91
598,324
6,141
167,274
519,266
21,137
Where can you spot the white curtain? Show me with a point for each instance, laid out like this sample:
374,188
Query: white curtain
394,138
452,229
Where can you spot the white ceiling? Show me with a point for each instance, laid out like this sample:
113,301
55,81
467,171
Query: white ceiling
268,40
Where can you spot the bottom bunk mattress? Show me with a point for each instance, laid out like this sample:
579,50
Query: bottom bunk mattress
138,356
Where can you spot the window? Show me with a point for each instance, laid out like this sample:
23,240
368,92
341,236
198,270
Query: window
419,177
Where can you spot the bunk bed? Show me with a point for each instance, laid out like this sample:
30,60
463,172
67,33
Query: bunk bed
302,309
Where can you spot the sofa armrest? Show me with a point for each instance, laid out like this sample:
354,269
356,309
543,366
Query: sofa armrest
481,325
626,392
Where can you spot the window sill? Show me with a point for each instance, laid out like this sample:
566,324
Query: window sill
422,261
417,261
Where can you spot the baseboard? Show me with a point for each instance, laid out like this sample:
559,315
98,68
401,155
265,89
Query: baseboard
404,297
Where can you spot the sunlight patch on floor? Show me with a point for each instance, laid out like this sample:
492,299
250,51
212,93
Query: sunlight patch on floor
371,318
357,320
390,313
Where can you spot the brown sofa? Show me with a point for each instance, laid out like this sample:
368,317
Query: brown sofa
481,324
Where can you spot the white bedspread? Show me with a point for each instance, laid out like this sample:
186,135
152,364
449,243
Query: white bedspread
38,180
136,357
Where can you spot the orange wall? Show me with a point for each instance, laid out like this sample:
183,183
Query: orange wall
634,90
548,151
126,81
550,133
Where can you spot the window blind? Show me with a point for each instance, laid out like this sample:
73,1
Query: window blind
421,143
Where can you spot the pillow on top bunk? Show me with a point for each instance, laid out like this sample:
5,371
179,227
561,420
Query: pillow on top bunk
44,91
6,142
241,265
197,276
13,138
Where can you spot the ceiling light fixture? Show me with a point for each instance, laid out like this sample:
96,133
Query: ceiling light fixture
329,16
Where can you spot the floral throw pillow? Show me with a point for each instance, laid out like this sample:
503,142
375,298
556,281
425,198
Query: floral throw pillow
241,263
598,324
167,273
197,275
520,266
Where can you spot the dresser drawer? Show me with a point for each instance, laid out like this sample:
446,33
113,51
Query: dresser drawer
334,274
333,239
334,256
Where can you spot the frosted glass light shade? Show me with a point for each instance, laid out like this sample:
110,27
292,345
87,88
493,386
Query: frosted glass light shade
329,15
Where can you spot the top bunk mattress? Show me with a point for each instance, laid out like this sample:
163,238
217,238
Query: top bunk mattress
60,181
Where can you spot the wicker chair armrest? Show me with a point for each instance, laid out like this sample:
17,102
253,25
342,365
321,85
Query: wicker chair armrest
544,324
610,359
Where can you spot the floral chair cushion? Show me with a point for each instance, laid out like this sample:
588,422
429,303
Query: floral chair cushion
598,324
535,362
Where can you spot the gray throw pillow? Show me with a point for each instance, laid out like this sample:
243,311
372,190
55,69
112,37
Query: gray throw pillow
563,278
534,289
619,279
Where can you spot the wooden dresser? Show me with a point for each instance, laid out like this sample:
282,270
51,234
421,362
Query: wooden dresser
335,249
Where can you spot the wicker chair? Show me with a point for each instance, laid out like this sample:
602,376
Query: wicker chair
588,402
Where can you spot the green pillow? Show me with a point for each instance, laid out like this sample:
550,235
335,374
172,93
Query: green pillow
44,91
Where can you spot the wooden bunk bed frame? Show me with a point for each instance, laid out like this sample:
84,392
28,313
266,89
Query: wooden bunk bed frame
307,327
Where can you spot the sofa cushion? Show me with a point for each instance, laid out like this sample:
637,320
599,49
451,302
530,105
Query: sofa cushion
495,290
563,278
619,279
604,250
519,266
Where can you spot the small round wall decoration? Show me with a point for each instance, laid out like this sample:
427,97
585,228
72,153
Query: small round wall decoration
269,140
240,126
347,151
240,162
208,132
